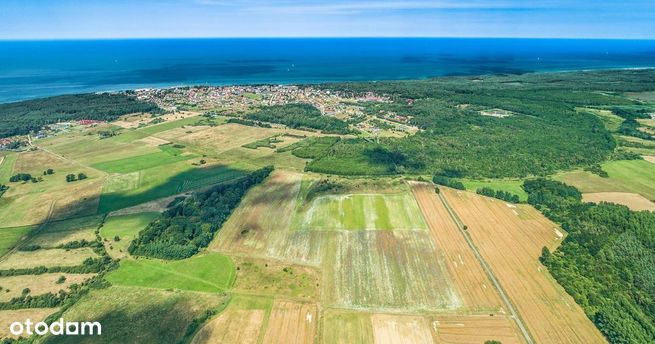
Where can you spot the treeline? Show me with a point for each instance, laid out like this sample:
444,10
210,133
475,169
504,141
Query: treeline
499,194
31,115
449,182
544,134
3,189
607,261
300,115
248,123
189,224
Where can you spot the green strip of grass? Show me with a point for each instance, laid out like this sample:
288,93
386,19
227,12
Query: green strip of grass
141,162
210,272
10,236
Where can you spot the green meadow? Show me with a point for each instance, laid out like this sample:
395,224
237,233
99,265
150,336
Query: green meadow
161,181
508,185
11,235
167,155
126,228
7,167
637,176
140,315
209,272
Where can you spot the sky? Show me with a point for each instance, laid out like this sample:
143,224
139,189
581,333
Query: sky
113,19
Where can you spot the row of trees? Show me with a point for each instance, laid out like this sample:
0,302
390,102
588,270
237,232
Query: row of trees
72,177
449,182
500,194
189,224
607,261
21,177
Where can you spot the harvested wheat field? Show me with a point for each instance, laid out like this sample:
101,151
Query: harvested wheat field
232,327
292,322
401,329
384,270
478,293
631,200
474,329
510,241
650,158
260,226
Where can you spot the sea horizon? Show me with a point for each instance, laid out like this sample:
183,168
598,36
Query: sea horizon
40,68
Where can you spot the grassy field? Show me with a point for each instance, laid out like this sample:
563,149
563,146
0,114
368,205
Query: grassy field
158,128
636,176
9,316
361,212
512,186
164,157
38,284
11,235
64,231
46,257
126,228
633,201
7,166
162,181
260,227
206,272
139,315
269,277
32,203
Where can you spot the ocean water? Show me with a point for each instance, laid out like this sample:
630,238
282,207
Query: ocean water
30,69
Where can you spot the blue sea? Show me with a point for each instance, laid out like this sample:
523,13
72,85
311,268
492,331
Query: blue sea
31,69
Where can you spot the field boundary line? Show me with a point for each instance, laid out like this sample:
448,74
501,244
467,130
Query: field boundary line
514,313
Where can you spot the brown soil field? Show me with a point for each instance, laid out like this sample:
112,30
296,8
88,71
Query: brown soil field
475,329
39,284
510,239
401,329
631,200
34,314
477,291
260,226
232,327
650,158
292,322
387,270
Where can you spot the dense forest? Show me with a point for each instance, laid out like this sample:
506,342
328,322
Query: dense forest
543,134
26,116
299,115
189,224
607,261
